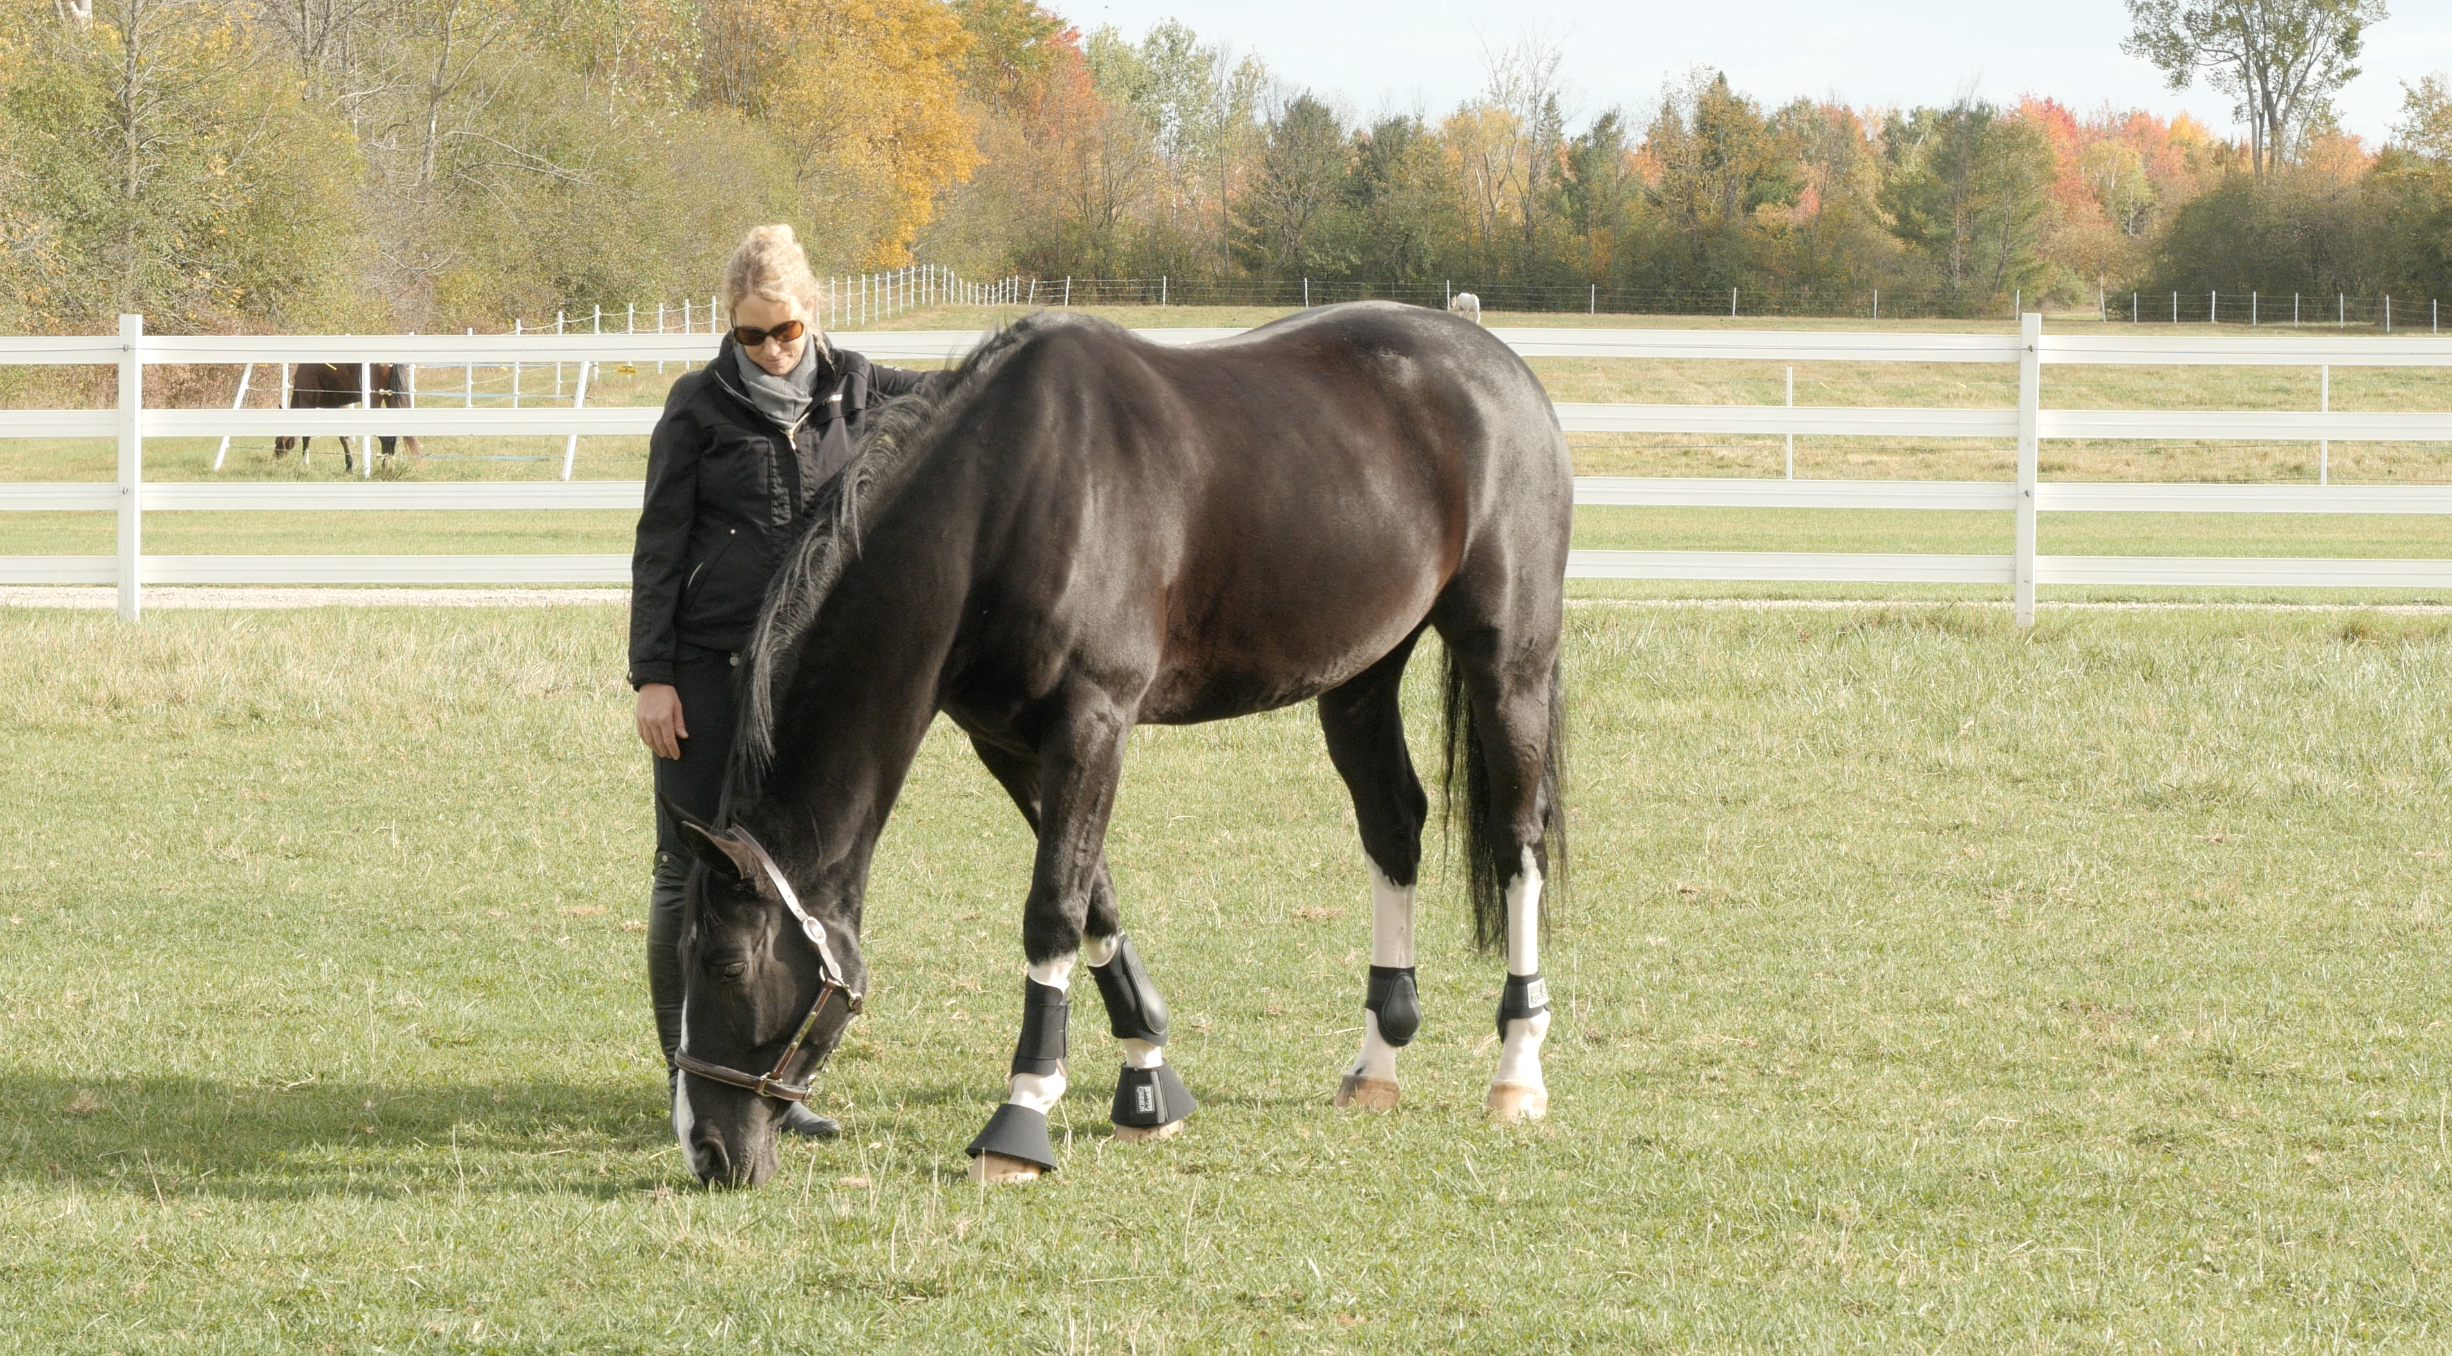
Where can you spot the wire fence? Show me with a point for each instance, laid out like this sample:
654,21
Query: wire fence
2306,310
2299,310
844,301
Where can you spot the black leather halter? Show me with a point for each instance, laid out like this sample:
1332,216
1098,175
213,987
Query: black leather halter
774,1083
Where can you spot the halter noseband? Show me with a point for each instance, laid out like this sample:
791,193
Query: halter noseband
830,985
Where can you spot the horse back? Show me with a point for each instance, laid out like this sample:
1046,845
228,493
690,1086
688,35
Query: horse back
1252,521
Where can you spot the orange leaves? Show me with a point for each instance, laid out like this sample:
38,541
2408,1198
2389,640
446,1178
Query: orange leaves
867,96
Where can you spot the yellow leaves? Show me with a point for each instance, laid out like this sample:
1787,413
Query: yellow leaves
868,95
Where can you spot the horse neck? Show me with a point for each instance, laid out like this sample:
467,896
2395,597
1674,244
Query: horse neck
849,722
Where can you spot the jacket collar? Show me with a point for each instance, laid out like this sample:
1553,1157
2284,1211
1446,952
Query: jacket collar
841,388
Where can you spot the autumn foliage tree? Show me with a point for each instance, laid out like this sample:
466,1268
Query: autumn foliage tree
425,164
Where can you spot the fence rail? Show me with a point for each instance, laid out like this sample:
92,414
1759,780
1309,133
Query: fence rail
131,495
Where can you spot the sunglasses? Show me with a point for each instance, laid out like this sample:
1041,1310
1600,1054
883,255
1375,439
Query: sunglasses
748,337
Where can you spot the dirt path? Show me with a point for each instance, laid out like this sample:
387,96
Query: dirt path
106,598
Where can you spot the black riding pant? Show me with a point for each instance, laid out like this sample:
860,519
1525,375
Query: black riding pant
695,782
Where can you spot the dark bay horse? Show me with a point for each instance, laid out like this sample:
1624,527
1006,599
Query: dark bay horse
1077,531
334,386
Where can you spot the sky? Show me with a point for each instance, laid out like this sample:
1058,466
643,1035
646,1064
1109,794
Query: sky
1381,56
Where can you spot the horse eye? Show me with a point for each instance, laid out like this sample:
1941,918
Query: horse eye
731,969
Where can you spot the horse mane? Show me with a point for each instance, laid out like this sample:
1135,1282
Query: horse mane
891,441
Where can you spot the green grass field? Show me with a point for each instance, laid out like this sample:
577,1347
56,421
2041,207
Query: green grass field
1924,986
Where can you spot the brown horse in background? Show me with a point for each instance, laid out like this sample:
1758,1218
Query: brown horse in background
333,386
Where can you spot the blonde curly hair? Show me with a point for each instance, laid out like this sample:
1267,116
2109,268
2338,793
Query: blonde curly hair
769,263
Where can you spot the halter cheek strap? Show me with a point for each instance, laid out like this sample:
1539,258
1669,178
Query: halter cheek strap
830,987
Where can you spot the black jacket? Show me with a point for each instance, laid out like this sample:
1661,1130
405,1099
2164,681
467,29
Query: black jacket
723,482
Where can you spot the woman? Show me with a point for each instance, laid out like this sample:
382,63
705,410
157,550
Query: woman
744,443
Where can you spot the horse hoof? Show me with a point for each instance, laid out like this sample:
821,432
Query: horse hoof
996,1168
1371,1094
1513,1102
1143,1134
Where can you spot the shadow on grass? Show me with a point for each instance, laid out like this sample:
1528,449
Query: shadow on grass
260,1141
267,1141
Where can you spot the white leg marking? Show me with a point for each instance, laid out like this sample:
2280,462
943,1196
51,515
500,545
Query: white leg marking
1391,945
1519,1059
1097,951
1041,1091
1524,919
1378,1058
1391,919
1143,1055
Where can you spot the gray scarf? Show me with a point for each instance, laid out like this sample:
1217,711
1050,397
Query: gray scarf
784,399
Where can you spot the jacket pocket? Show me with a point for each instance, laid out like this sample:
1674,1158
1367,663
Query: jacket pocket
705,570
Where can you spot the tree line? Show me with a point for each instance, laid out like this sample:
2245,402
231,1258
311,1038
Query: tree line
429,164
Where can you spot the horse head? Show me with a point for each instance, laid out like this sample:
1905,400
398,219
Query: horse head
769,987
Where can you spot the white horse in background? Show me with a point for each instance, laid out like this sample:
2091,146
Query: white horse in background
1465,304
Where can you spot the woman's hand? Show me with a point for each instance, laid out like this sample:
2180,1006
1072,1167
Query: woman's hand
661,728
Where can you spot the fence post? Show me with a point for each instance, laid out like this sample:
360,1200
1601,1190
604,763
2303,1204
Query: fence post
1792,436
2324,405
1877,303
518,328
2030,425
1732,303
366,438
131,466
468,379
557,363
238,401
570,450
1068,290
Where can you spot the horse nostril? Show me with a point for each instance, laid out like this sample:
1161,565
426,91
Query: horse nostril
712,1162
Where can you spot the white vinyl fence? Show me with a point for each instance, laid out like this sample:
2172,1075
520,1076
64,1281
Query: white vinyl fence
132,350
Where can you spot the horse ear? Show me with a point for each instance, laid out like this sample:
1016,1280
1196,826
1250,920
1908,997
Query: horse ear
722,853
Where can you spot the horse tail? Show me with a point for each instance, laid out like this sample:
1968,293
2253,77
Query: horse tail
1492,854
